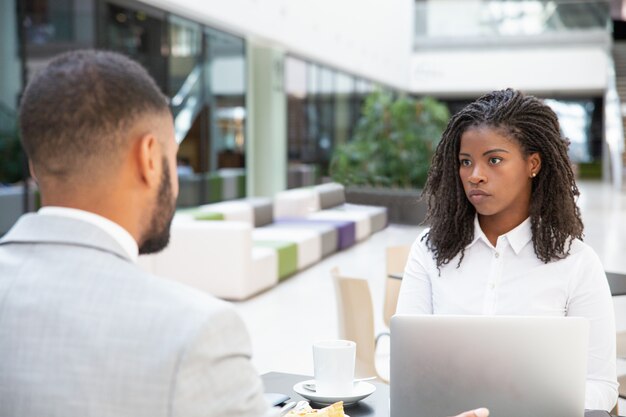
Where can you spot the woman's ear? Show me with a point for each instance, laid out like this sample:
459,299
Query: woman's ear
534,164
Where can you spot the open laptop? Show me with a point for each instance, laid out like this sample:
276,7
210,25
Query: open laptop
515,366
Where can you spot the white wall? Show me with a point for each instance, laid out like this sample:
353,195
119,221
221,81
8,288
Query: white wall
446,18
371,38
471,71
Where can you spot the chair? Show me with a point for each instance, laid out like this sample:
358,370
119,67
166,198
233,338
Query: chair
396,260
621,394
621,353
356,321
617,284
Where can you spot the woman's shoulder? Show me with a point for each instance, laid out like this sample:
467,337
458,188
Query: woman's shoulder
419,248
421,242
580,248
581,257
420,254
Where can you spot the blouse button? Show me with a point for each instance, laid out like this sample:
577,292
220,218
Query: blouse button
497,255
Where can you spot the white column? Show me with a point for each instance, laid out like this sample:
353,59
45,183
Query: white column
266,121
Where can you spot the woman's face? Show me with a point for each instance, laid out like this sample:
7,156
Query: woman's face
496,175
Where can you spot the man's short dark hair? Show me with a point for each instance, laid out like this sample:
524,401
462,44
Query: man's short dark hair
75,112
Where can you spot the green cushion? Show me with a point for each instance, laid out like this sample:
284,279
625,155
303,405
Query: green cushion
198,214
241,186
287,256
214,188
208,215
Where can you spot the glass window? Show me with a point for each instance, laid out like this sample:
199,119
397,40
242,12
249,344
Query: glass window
326,135
227,102
49,21
137,33
185,81
576,119
344,89
296,89
308,152
501,19
323,108
185,54
55,26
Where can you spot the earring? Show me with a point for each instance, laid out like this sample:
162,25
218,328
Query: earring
533,175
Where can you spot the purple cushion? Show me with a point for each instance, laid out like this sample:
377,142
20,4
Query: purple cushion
346,230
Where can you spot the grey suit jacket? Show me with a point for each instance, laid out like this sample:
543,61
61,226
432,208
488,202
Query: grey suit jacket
85,332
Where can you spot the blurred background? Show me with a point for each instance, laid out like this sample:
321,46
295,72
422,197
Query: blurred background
276,94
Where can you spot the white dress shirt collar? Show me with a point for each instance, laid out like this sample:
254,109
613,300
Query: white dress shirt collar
117,232
517,238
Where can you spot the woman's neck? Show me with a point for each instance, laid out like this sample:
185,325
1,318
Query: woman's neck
496,226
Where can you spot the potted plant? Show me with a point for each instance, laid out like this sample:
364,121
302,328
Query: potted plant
386,162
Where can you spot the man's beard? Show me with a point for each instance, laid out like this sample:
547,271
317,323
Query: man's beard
158,235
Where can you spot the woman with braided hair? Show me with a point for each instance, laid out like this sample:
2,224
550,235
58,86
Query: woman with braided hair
505,231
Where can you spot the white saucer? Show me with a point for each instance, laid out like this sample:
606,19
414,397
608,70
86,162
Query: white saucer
360,391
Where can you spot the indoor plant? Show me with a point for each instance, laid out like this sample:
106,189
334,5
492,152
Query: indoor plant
387,160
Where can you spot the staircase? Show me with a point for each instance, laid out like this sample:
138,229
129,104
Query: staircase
187,103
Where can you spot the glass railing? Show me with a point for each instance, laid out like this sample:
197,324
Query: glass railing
455,19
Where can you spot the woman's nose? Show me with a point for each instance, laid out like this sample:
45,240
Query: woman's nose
477,175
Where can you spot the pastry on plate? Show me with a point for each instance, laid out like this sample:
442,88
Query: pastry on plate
303,409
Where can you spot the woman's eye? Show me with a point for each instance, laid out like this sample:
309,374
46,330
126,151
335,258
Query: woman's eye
465,162
495,160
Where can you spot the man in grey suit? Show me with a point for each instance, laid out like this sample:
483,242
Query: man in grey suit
83,330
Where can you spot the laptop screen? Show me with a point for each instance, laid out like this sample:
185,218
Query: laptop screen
515,366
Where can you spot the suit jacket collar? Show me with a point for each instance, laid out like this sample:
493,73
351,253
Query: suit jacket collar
33,228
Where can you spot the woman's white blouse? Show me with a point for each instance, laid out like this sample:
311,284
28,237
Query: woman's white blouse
509,279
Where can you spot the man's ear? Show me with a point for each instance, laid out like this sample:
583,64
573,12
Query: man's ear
31,169
148,156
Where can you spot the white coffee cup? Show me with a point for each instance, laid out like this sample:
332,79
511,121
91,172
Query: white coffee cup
333,362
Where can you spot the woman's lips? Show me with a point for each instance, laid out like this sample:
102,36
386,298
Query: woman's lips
477,196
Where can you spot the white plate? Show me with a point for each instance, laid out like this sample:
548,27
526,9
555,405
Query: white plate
360,391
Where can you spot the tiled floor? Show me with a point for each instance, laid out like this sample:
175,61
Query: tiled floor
284,321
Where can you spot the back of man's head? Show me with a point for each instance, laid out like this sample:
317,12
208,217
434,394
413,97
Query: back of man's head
76,112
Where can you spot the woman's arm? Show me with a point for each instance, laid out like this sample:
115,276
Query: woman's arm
590,297
416,291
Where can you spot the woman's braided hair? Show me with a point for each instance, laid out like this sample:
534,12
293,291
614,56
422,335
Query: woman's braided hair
554,215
